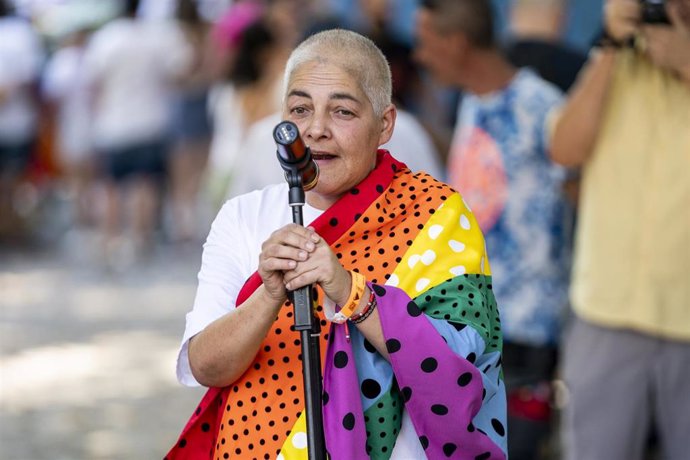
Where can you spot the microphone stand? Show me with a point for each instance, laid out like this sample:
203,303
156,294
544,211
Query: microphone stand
310,330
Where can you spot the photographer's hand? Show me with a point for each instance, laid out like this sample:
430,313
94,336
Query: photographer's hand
621,19
669,47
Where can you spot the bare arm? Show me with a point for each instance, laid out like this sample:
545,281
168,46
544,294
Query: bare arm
221,353
578,123
577,127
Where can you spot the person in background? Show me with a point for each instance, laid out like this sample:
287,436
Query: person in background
499,161
131,65
191,124
65,86
251,91
412,355
411,142
21,57
627,353
536,42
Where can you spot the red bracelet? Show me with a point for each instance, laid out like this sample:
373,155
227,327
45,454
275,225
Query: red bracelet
361,316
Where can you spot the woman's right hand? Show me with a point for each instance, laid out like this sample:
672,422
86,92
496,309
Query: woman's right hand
622,19
281,252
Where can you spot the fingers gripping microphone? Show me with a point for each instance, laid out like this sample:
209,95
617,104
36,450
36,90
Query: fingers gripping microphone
295,157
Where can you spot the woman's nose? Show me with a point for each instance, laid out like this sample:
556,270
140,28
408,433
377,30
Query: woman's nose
317,127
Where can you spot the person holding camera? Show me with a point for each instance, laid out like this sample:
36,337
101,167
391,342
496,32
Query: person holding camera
626,359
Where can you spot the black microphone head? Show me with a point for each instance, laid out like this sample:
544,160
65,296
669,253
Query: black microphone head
285,133
291,148
294,156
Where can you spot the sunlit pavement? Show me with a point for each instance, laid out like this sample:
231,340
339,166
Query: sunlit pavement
87,355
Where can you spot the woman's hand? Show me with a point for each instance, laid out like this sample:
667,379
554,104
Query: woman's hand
323,268
282,252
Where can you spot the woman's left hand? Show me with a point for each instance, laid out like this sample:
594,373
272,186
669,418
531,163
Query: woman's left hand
323,268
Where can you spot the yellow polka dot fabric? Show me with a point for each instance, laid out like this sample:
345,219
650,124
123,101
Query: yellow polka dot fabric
295,446
451,244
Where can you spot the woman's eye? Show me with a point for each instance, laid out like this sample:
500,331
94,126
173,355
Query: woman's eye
345,112
298,111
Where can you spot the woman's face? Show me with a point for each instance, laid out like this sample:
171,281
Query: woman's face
337,121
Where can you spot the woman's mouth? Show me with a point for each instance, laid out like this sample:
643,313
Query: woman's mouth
322,156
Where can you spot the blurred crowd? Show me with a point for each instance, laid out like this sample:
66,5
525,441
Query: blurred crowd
133,122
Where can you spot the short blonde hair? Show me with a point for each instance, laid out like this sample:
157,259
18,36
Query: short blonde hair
355,54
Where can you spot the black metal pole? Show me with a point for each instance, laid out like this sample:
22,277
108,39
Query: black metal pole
310,330
302,173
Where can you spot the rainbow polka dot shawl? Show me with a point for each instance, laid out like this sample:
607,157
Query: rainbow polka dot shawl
423,255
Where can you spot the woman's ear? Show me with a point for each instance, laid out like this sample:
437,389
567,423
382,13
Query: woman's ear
388,123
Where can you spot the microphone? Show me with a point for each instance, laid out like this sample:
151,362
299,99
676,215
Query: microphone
294,156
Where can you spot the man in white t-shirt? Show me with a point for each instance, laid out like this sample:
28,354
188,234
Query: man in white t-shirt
130,65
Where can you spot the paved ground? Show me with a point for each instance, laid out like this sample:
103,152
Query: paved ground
87,355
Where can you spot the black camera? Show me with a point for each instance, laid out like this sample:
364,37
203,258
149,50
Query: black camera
654,12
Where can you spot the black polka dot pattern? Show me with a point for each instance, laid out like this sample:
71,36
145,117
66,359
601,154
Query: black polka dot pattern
424,441
429,365
471,300
498,427
439,409
340,360
464,379
370,388
393,346
349,421
386,409
449,449
413,310
381,421
407,393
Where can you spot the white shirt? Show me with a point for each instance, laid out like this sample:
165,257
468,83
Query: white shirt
131,65
64,83
231,255
20,60
231,133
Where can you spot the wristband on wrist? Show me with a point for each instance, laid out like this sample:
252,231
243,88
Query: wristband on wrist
356,293
366,311
607,41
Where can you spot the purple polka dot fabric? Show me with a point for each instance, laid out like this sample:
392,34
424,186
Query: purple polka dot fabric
442,390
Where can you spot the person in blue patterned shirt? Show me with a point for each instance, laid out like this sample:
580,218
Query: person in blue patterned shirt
499,162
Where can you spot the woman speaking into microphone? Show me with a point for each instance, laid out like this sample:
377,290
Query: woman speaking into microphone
411,348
